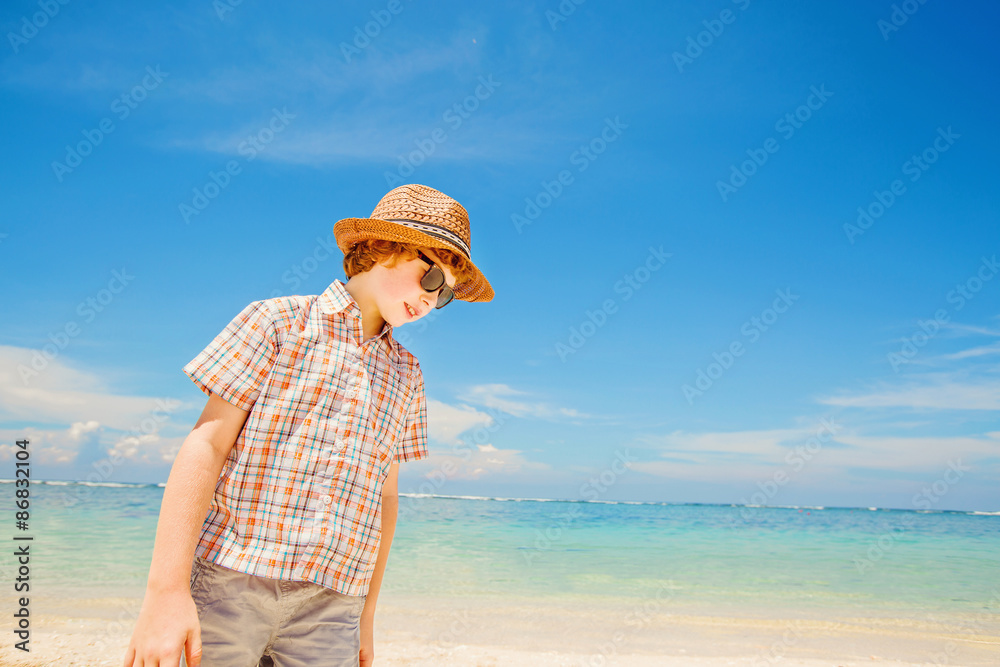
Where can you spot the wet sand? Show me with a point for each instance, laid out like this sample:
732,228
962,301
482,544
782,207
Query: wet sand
413,633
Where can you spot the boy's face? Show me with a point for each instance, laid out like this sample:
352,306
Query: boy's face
399,296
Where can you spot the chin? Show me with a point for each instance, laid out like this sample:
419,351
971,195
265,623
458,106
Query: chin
398,321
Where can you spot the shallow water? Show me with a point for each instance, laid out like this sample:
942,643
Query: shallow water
97,540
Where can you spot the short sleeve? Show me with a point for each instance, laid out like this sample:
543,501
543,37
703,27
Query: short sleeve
413,445
235,365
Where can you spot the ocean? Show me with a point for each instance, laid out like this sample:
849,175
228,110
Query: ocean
96,540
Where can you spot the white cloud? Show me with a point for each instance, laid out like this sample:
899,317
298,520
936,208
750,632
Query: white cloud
980,351
81,452
78,429
322,70
61,394
467,463
358,118
87,425
810,452
865,444
150,449
446,422
936,391
961,380
505,398
715,456
56,447
380,136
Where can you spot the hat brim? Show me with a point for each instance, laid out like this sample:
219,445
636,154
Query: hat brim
351,231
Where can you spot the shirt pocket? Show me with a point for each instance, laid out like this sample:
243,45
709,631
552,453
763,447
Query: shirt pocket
388,418
310,392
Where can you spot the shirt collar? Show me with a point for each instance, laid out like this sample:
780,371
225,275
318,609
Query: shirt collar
336,299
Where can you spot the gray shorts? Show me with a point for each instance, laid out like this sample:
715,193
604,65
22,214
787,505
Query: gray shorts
248,621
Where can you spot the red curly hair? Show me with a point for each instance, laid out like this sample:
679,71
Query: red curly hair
365,254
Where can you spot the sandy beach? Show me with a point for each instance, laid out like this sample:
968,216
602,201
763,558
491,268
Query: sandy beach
623,585
96,632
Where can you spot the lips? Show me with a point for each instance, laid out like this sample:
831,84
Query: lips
410,310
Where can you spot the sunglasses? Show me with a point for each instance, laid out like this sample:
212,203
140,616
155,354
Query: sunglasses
434,280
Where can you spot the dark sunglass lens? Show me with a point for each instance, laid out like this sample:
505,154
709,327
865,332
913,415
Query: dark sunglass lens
445,297
433,279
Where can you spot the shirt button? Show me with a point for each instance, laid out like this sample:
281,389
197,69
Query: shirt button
327,500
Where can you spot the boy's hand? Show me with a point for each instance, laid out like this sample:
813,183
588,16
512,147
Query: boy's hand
167,627
366,656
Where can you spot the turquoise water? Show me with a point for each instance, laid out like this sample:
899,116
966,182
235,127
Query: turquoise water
96,541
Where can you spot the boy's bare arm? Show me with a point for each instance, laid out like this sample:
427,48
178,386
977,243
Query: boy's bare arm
189,490
390,507
186,498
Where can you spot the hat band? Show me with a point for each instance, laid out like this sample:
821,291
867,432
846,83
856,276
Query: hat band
437,232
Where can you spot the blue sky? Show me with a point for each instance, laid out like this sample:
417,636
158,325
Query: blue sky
718,155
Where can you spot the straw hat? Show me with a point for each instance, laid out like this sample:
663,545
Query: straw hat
423,216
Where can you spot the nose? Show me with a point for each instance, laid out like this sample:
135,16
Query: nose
429,300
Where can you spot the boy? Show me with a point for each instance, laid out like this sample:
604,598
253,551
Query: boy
312,404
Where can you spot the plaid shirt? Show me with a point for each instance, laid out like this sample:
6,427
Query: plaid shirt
300,494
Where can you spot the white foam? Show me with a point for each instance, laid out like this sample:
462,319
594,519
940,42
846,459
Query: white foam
113,484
